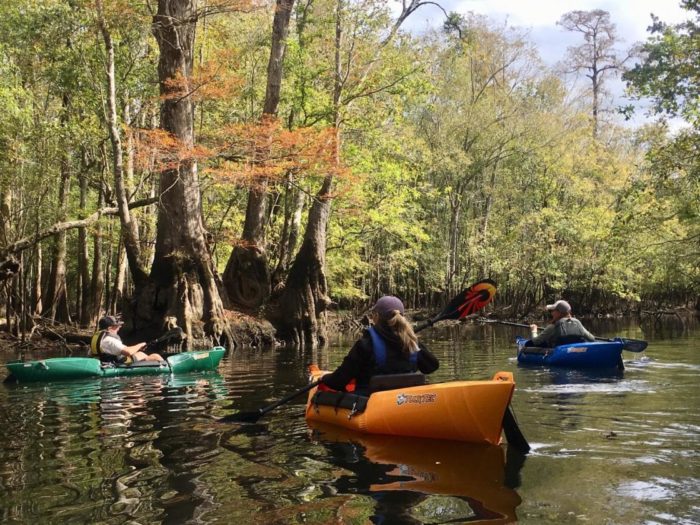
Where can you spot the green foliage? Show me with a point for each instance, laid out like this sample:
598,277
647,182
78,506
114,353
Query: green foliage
670,71
667,196
462,157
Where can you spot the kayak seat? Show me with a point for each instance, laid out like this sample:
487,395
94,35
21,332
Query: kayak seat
379,383
107,359
340,400
358,403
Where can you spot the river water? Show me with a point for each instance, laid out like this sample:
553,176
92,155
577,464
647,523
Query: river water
607,449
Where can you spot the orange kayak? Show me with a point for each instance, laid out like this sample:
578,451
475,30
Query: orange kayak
469,411
476,472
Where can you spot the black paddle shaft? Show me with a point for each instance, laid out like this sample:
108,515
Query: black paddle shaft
288,398
176,332
252,417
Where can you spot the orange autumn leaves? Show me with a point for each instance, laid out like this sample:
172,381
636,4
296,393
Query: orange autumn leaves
245,154
265,151
212,80
242,154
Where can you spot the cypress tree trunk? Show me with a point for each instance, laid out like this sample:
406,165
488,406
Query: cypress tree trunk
182,282
453,241
246,277
130,231
115,299
300,318
300,314
83,260
36,287
5,207
97,284
293,206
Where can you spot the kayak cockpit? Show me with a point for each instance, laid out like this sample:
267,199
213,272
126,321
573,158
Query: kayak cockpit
356,402
137,364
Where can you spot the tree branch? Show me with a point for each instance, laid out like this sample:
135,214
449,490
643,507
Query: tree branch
30,241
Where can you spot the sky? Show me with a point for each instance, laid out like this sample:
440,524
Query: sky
539,18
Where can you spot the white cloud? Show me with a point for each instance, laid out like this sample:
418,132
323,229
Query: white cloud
632,17
539,18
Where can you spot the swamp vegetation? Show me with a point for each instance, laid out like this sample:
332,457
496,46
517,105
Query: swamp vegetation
198,162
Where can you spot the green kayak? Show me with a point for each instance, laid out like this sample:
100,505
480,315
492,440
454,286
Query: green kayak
67,368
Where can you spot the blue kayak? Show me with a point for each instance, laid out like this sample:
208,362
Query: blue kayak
598,354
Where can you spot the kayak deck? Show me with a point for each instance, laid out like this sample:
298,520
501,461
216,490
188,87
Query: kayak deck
71,368
470,411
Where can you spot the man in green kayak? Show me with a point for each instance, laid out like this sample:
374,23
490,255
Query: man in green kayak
108,346
563,330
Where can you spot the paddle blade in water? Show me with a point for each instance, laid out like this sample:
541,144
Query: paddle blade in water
633,345
514,436
470,300
242,417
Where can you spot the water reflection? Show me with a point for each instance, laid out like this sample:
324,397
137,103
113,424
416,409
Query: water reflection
435,481
612,449
88,450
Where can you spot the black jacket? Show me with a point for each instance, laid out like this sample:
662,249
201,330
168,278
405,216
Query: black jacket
360,363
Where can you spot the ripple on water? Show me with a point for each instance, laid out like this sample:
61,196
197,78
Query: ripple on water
635,386
656,489
674,366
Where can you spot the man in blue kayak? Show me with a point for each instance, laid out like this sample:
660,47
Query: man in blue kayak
108,346
564,329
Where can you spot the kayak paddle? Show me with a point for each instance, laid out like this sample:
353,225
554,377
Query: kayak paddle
466,302
631,345
176,332
252,417
513,434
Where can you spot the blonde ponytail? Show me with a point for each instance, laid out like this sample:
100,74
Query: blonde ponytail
403,329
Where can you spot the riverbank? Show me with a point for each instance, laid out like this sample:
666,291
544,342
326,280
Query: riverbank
253,332
57,338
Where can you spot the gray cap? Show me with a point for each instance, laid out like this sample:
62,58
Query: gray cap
386,305
560,306
108,321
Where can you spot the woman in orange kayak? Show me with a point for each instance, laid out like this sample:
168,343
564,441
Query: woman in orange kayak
388,347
